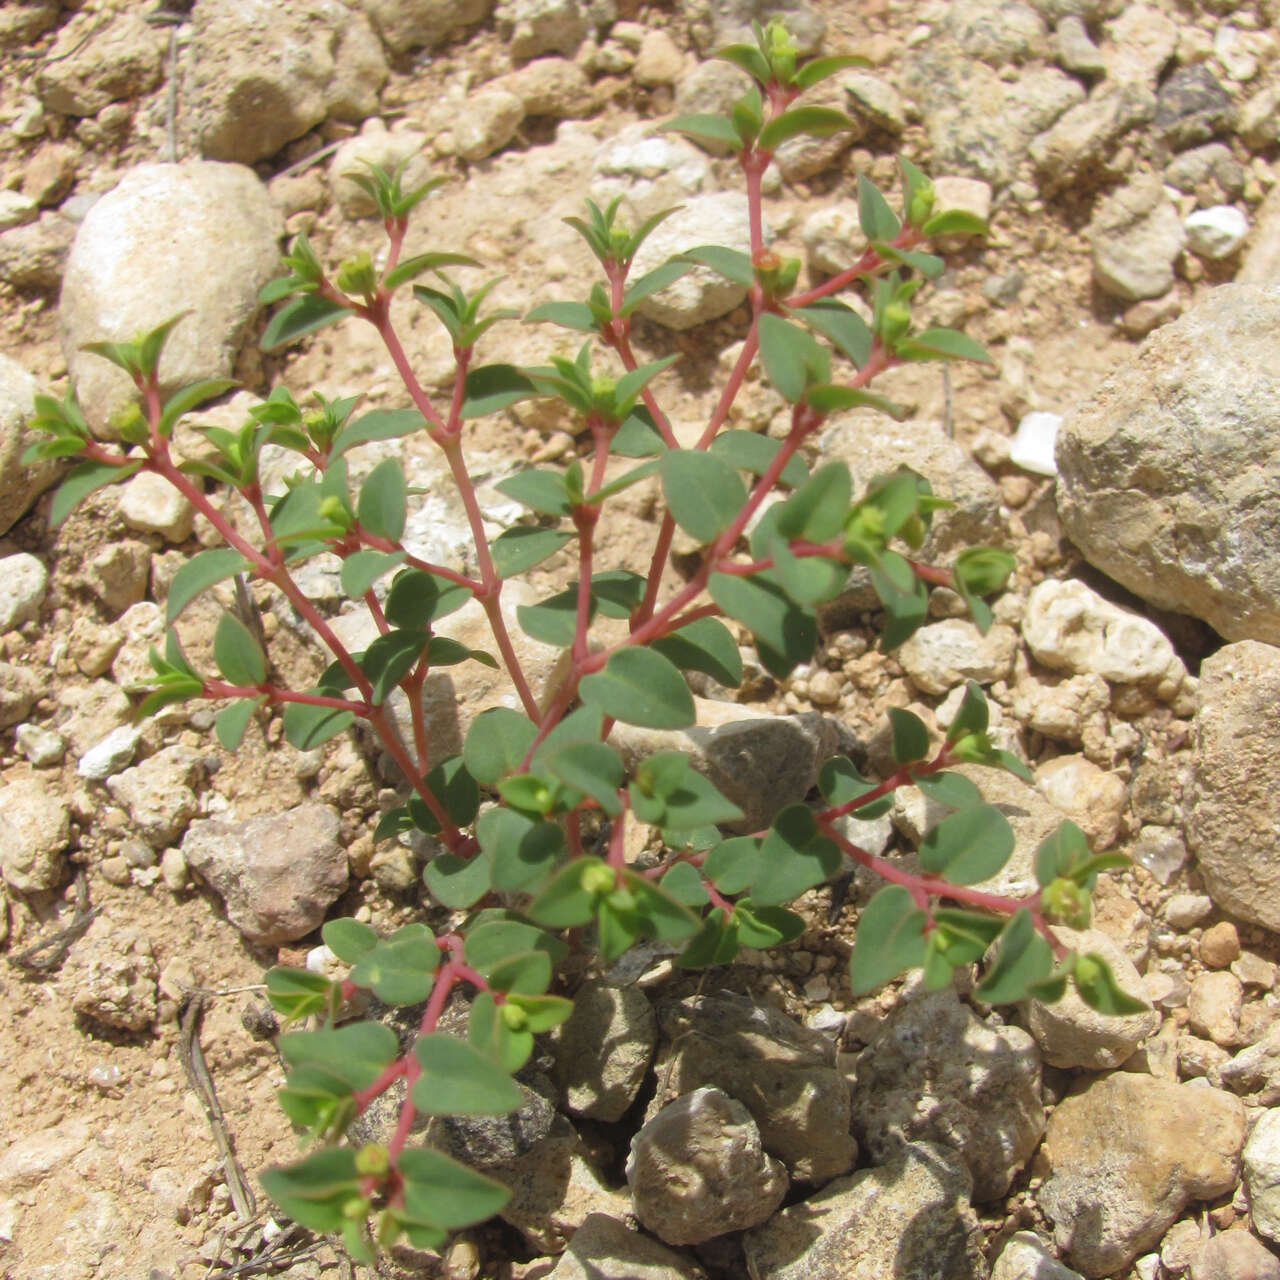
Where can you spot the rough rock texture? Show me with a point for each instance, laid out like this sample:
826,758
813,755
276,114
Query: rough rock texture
263,73
1126,1156
697,1170
1080,145
411,24
79,76
35,828
603,1249
603,1050
158,793
909,1219
33,256
1234,806
944,654
1234,1255
220,231
1136,235
1168,476
1262,1173
1255,1071
716,23
1092,798
783,1074
23,579
115,976
1027,1257
19,485
938,1073
277,874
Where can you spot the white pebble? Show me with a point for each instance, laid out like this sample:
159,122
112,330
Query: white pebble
1032,447
110,755
1217,232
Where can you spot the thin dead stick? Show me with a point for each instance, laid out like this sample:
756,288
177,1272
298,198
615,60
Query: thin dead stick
193,1063
63,940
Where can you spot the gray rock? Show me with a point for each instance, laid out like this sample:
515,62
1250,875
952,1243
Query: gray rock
1080,145
603,1249
1193,107
1234,1255
19,485
413,24
535,27
22,585
938,1073
1167,476
909,1219
1141,41
488,1140
782,1073
1126,1156
1261,1167
112,755
1233,805
278,874
35,829
1135,236
650,171
1074,48
697,1170
34,256
263,74
79,76
712,87
19,689
603,1050
220,231
117,573
944,654
158,793
115,976
716,23
1255,1071
1211,163
1261,263
487,122
833,236
996,32
1027,1257
42,747
874,100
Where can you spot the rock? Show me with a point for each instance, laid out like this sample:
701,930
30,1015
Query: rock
1259,122
16,210
1078,148
1071,1034
50,174
716,23
1192,107
602,1086
143,628
782,1073
262,75
1126,1155
651,172
111,755
150,504
909,1218
1214,1007
603,1249
117,574
18,691
220,230
995,31
1261,1167
535,27
277,874
42,747
29,1160
487,123
1033,444
1233,805
35,829
1255,1071
34,256
1093,799
944,654
1261,264
1234,1255
962,195
1186,910
760,763
86,715
19,485
1063,709
115,975
23,21
22,585
833,237
1141,42
1075,50
697,1170
1219,945
701,295
552,87
79,76
413,24
938,1073
1216,232
1135,235
486,1141
1026,1257
158,795
1207,166
874,100
388,151
711,87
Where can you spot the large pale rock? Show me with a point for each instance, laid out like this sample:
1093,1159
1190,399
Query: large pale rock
35,829
1126,1156
602,1085
1092,798
264,73
603,1249
1262,1173
1168,476
277,874
649,171
908,1218
697,1170
1234,805
411,24
938,1073
91,64
19,485
211,232
1027,1257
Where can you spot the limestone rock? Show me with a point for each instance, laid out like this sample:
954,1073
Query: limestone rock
115,976
1214,1007
1135,235
1126,1156
996,32
19,485
22,585
158,793
1234,1255
1216,232
79,76
150,504
944,654
34,256
1255,1072
1082,142
908,1218
938,1073
1141,41
264,74
552,87
1092,798
542,26
277,874
117,573
220,232
603,1085
1262,1173
603,1249
487,123
697,1170
1234,805
1261,264
35,829
1027,1257
650,171
413,24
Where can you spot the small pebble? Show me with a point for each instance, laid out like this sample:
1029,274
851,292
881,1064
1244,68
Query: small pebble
1186,910
42,747
1216,232
1220,945
1033,445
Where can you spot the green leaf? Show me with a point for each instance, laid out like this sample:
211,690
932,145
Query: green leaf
231,722
832,398
383,500
497,934
955,222
764,608
348,939
969,846
823,68
358,1051
317,1189
890,940
652,282
733,865
302,315
417,599
663,914
553,621
237,653
525,973
452,784
542,491
1023,959
733,264
950,344
188,398
377,424
789,356
684,884
490,1034
951,789
297,993
457,882
756,921
1099,989
750,59
522,850
839,783
306,726
817,510
361,569
879,222
568,315
497,743
669,792
750,451
793,858
413,267
593,768
81,481
398,970
910,736
570,898
517,550
705,645
389,659
446,1194
629,386
458,1080
973,714
819,122
704,493
702,127
841,325
641,687
198,574
492,387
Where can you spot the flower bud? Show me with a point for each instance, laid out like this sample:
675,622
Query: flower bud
895,321
920,207
597,878
372,1160
513,1016
130,425
357,275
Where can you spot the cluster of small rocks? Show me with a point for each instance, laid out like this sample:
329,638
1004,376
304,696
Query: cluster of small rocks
891,1129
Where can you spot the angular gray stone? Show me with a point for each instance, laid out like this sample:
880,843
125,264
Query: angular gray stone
1168,475
908,1218
603,1050
603,1249
1135,236
220,233
34,256
413,24
19,485
995,31
1193,107
278,874
35,829
158,793
697,1170
1081,144
1027,1257
121,60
